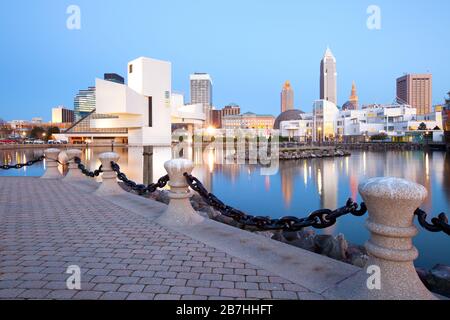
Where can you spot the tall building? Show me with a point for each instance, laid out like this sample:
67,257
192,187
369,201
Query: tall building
287,97
84,103
201,92
114,77
353,101
328,78
62,115
416,90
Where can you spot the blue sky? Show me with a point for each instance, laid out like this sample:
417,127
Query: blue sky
249,47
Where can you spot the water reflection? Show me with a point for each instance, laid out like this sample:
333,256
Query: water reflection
298,188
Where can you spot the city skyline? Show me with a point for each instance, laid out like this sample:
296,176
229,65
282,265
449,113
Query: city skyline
249,75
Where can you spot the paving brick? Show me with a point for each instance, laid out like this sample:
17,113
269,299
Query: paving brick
181,290
222,284
132,288
234,293
207,291
115,296
259,294
152,288
285,295
122,255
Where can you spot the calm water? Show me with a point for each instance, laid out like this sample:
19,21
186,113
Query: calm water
298,188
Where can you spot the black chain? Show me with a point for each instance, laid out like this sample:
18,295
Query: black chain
140,188
85,171
437,224
319,219
21,165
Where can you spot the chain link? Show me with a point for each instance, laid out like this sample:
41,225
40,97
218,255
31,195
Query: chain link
140,188
21,165
319,219
85,171
437,224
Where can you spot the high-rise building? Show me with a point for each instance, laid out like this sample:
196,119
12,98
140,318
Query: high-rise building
201,92
216,118
114,77
416,90
84,103
62,115
328,78
353,101
287,97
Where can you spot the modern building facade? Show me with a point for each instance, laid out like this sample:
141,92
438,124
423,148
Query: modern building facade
416,90
201,92
287,97
114,77
399,122
328,78
62,115
84,103
325,115
139,113
248,120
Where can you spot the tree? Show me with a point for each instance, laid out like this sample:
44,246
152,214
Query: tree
51,131
379,137
37,133
422,126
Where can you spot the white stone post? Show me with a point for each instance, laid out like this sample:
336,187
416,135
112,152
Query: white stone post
389,273
51,157
109,185
74,173
180,211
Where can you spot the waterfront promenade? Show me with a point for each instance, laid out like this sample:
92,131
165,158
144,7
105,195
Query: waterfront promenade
48,225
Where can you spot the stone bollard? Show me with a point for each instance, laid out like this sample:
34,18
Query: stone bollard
179,211
109,185
74,173
51,157
389,273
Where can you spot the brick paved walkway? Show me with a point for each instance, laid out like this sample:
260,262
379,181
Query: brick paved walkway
45,226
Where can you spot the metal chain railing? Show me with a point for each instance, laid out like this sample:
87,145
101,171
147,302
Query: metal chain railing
319,219
140,188
85,171
21,165
437,224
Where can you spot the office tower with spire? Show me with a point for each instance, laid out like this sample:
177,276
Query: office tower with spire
201,93
353,101
287,97
328,78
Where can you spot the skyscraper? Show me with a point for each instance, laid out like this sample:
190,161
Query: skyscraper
61,114
84,103
328,77
416,90
201,92
287,97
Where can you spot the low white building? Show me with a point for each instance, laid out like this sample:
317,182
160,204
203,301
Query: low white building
140,113
397,121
